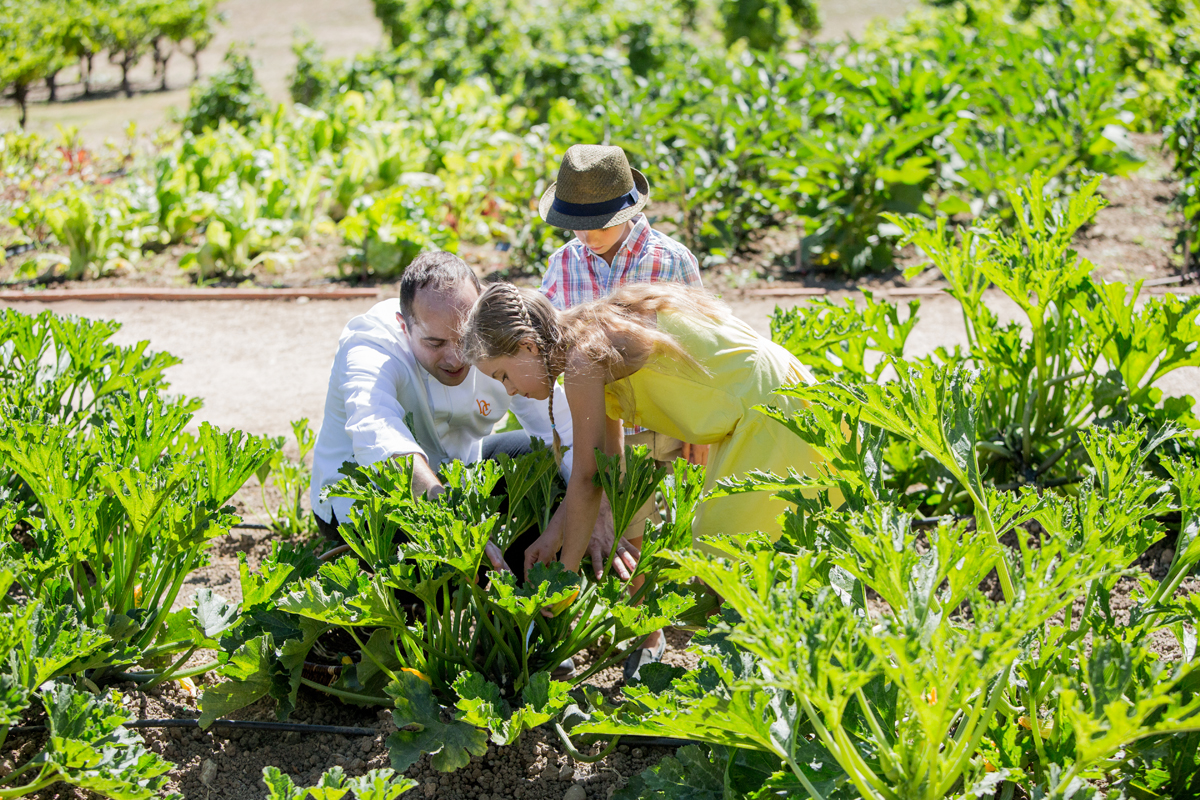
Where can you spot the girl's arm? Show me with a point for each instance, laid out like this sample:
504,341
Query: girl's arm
577,516
591,429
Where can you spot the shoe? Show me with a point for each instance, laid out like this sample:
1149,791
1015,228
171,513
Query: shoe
564,670
642,656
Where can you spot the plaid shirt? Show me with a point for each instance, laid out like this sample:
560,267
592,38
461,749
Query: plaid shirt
577,275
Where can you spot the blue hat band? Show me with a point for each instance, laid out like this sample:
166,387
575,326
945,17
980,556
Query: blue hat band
595,209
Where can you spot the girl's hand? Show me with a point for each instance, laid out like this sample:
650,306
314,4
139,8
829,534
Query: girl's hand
544,549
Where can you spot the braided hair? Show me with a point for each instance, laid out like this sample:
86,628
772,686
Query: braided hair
505,318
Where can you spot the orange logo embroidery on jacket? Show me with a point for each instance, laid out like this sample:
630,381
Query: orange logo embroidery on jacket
484,407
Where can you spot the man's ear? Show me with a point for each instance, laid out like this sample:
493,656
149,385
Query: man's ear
403,325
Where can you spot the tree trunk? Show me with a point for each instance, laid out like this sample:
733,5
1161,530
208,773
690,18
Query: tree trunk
20,93
52,85
161,57
126,63
195,65
86,69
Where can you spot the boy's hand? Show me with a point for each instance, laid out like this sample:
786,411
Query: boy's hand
695,454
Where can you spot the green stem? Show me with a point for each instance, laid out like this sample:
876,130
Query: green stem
343,694
891,765
800,776
28,789
575,754
368,654
983,518
1026,433
130,575
483,617
1035,727
845,760
181,574
870,781
1084,625
959,759
1053,459
170,670
18,772
200,669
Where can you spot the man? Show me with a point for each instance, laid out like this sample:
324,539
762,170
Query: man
403,358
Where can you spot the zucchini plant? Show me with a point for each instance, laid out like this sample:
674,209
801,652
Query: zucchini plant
86,746
873,652
866,654
419,623
115,502
1086,352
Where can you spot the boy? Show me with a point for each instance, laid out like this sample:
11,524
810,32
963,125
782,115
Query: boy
600,197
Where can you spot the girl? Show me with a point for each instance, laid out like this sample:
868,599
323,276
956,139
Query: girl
660,356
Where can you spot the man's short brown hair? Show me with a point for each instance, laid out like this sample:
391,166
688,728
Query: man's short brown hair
437,270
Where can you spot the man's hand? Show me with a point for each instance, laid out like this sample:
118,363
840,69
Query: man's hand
496,557
424,480
695,454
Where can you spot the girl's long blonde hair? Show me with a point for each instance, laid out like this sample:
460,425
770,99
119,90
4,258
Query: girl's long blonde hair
505,317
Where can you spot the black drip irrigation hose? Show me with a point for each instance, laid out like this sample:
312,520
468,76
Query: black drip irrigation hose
250,725
235,724
17,249
655,741
253,526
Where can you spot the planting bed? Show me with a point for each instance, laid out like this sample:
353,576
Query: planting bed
228,764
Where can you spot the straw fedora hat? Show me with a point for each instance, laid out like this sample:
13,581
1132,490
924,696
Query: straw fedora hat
596,188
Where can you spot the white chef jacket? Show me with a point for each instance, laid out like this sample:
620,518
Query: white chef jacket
375,381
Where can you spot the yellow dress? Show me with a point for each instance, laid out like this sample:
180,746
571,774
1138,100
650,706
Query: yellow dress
717,409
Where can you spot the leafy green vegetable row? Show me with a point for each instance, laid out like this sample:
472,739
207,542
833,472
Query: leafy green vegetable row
107,505
952,630
412,149
1182,140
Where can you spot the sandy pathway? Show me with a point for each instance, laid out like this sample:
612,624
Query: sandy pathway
258,365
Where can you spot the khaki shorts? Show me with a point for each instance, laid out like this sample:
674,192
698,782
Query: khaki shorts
663,449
